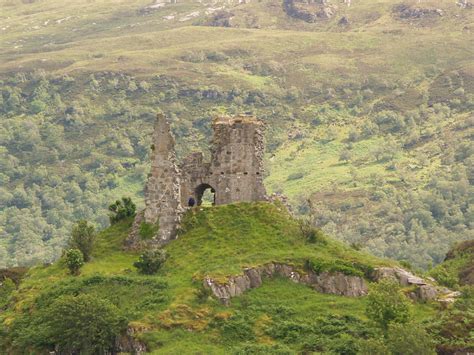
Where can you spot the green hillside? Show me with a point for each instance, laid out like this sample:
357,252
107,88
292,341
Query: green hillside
359,115
170,312
458,267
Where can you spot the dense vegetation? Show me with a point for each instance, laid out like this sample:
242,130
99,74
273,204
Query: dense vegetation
171,312
374,116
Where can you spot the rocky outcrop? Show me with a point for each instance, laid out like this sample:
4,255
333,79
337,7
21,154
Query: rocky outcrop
408,12
221,19
128,343
425,290
334,283
404,277
309,11
465,4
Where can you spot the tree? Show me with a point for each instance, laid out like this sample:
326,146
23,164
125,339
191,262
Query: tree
409,339
346,155
122,209
74,261
83,324
150,261
386,304
83,238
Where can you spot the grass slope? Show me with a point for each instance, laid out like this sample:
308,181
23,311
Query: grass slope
217,241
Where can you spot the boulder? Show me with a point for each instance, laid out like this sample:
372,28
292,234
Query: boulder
427,293
404,277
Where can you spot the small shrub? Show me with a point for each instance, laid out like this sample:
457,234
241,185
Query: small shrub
122,209
409,339
150,261
238,327
295,176
203,294
74,260
311,234
83,238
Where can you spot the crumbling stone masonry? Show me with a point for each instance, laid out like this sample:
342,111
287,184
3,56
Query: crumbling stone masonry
234,174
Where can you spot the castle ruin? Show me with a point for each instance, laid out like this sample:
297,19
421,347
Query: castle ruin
234,174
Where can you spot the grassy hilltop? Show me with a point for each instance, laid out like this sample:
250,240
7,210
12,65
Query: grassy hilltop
371,120
171,313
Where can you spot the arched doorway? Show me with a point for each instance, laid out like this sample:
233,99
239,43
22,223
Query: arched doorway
205,195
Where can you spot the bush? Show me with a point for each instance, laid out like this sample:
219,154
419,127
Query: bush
295,176
309,233
238,327
122,209
150,261
83,324
74,260
409,339
203,294
83,237
386,304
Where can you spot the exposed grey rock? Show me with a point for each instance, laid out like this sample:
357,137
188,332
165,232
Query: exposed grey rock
404,277
464,4
407,12
127,343
427,292
333,283
309,11
340,284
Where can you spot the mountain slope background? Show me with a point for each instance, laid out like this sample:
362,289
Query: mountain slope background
368,112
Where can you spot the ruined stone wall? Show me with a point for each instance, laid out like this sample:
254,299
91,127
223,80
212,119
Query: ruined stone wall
235,172
162,191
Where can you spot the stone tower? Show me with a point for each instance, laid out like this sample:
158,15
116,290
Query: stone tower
162,191
234,174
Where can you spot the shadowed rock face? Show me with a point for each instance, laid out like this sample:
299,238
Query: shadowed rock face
333,283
